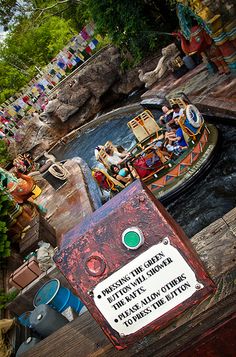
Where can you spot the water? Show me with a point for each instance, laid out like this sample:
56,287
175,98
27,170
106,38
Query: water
210,199
115,130
215,194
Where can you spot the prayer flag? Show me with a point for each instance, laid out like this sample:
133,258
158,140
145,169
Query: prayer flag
88,50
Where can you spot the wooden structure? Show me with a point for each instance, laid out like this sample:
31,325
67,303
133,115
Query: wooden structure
143,125
208,324
39,229
25,274
72,202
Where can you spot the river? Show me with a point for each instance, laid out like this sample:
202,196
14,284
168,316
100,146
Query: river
210,199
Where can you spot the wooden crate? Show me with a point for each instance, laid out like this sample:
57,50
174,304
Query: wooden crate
25,274
39,230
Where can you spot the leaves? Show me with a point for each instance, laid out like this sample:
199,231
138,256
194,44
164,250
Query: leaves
39,29
133,25
4,155
5,298
5,207
31,41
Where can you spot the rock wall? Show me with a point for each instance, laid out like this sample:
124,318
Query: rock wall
79,99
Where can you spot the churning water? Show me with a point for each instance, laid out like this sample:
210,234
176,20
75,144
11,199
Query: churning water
213,195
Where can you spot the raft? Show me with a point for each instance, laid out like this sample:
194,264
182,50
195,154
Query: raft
169,177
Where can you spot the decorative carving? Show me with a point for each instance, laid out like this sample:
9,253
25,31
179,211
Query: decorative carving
169,54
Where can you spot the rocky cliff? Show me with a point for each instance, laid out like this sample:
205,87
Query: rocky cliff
98,84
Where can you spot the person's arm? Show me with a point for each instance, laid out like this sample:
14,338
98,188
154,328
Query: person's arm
161,120
121,154
177,138
170,135
123,179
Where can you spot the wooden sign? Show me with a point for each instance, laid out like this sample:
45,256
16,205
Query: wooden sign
132,266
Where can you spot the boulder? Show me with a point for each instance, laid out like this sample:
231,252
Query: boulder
64,111
98,83
86,88
36,136
128,82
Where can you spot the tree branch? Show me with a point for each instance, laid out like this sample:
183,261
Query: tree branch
54,14
52,6
56,4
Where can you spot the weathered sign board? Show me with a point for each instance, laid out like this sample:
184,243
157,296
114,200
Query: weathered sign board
132,266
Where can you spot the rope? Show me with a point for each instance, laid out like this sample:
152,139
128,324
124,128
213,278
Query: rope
50,157
59,171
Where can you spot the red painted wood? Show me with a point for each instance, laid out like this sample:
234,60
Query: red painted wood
99,235
220,342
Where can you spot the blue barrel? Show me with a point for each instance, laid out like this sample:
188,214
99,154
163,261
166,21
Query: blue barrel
46,320
27,345
58,297
24,319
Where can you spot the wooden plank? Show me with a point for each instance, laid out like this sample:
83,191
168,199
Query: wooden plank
218,344
40,230
84,335
68,205
215,245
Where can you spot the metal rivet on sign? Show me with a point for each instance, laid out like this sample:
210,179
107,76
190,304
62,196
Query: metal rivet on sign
165,241
90,293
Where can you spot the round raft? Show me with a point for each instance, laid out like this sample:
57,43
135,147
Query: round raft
165,174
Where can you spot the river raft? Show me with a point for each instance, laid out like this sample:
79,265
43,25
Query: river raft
168,174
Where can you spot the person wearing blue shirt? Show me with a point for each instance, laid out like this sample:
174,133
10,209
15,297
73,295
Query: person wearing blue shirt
180,137
176,140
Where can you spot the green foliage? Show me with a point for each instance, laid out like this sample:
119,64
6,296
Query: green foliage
11,80
5,206
11,11
8,9
28,46
5,298
4,155
133,26
39,29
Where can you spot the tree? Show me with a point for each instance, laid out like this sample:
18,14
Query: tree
11,80
8,9
5,206
28,46
4,154
39,29
36,45
134,25
11,11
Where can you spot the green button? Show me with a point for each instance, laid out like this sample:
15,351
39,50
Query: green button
132,238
